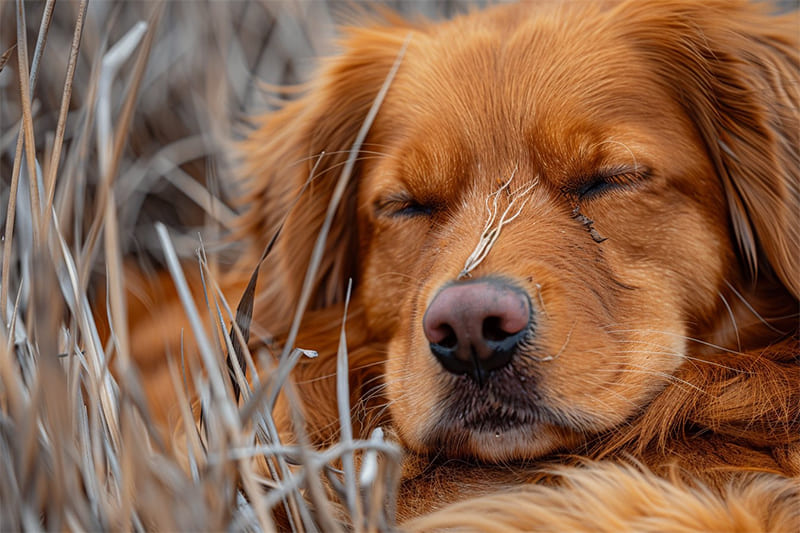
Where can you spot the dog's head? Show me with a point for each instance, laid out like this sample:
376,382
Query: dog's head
556,206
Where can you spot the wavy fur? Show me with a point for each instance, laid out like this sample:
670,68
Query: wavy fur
709,95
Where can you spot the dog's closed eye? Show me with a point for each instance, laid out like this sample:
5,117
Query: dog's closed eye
403,205
605,181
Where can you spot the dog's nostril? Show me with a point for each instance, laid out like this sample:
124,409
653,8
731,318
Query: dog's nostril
449,340
476,327
492,329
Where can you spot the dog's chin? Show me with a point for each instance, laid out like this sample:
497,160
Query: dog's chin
498,427
503,419
499,443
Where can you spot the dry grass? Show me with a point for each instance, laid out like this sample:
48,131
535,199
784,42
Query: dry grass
126,111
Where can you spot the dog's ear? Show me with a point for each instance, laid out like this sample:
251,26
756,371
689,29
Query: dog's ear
735,69
316,130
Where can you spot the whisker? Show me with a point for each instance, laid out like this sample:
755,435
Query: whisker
638,369
560,351
343,152
332,375
681,356
538,288
752,310
628,148
394,274
673,334
733,320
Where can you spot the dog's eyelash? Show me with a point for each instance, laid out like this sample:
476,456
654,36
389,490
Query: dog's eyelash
596,187
604,182
414,209
403,206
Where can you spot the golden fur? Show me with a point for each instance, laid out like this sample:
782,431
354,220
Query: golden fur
656,144
611,498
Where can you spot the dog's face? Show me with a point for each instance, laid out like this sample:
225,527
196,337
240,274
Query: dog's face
538,221
610,238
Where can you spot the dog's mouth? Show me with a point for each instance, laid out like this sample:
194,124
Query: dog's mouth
507,400
502,419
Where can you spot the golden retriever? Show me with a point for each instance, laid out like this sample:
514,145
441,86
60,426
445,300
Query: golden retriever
572,231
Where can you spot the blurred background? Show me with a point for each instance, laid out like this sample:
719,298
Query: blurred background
130,115
206,75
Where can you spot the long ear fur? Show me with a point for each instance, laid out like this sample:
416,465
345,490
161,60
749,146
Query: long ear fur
735,68
318,129
279,156
736,71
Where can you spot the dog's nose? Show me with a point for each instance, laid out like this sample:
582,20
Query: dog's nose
475,327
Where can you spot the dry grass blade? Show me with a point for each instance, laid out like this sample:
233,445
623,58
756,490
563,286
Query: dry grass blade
106,143
341,185
73,178
102,386
278,467
41,42
201,196
16,396
198,329
115,285
244,316
8,238
244,311
25,85
50,181
6,56
346,428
